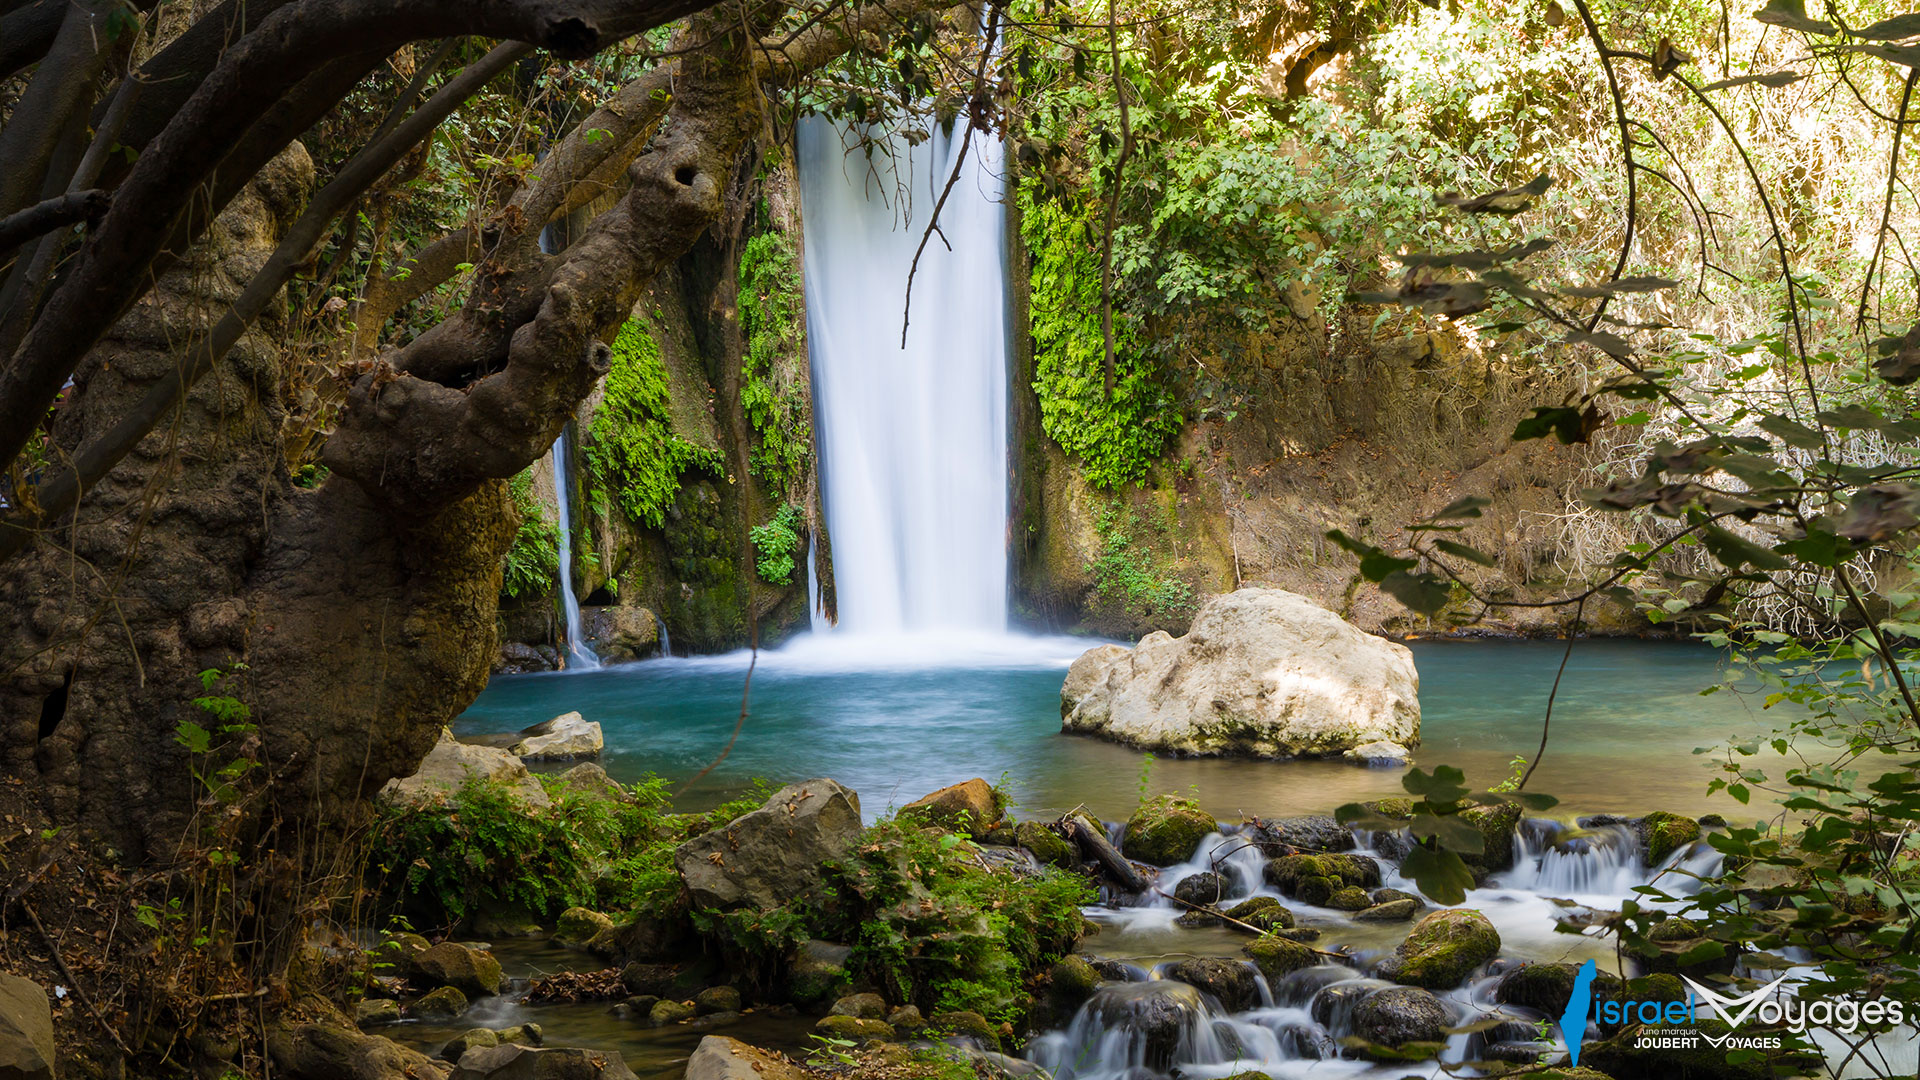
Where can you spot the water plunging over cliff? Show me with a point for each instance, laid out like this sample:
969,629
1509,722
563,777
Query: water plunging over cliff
578,655
913,441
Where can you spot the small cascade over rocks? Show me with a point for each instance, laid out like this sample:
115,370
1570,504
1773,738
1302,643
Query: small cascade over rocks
578,654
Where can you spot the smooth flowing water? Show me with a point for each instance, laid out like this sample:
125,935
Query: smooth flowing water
913,437
578,654
933,711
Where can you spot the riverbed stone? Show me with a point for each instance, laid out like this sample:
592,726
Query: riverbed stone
510,1061
471,1039
1046,845
1313,879
1496,824
971,807
1166,830
1155,1013
1379,754
527,1034
766,857
26,1029
1400,1015
474,972
864,1006
1262,913
1276,956
577,926
588,778
1391,911
1072,981
1260,673
440,1003
1547,986
1205,888
720,1058
371,1012
324,1051
1349,898
716,999
906,1021
818,971
620,633
1442,950
1229,981
1313,833
1661,834
967,1023
668,1011
563,738
855,1028
451,763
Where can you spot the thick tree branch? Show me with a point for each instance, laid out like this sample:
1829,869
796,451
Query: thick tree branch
27,33
60,91
250,77
48,215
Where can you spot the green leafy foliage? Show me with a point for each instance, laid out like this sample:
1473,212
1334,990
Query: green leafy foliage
532,562
1130,572
773,391
776,543
631,446
1118,436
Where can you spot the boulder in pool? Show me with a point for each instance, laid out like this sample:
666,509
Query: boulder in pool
1661,834
1262,913
1318,832
764,858
1548,986
1204,888
1277,956
618,633
563,738
1046,845
510,1061
1261,673
1165,830
1152,1015
1229,981
1442,950
1314,879
1399,1015
971,808
474,972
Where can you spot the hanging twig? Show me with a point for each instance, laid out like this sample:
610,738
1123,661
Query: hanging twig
1546,722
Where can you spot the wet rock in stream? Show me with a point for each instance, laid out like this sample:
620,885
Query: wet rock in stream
1229,981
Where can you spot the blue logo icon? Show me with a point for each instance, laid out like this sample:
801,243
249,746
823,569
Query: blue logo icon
1573,1022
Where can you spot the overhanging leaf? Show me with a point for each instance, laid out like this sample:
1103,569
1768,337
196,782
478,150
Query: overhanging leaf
1471,554
1466,506
1879,512
1446,784
1792,432
1439,875
1506,201
1771,78
1734,551
1426,593
1640,284
1792,14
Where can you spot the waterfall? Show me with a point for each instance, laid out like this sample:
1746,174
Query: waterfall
913,441
578,655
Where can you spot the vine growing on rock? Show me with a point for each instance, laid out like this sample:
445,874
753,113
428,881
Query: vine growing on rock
531,564
773,388
631,445
775,544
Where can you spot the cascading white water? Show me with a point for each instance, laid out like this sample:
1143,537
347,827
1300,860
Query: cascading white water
578,655
913,441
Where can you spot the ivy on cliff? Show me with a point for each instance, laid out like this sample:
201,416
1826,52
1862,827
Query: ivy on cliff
531,562
1117,437
772,319
631,447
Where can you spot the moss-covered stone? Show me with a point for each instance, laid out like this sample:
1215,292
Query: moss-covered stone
1349,898
1166,830
1072,980
968,1023
1442,950
1046,845
670,1012
818,972
1275,955
906,1021
1547,987
1263,913
1391,911
1662,834
1496,824
1314,879
442,1003
855,1028
716,999
577,926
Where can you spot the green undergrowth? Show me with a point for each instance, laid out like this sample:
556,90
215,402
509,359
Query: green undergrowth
631,447
529,569
1130,570
1117,436
928,922
773,389
481,847
776,543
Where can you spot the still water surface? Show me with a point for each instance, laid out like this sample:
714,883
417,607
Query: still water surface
896,719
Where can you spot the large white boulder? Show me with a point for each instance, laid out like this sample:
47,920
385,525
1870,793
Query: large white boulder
448,765
1261,673
562,738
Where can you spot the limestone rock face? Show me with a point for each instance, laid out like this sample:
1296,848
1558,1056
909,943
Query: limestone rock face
450,763
768,856
620,634
1262,673
562,738
26,1029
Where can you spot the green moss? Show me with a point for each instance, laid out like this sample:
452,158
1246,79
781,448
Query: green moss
1132,573
1349,898
1116,436
854,1028
631,447
772,319
1317,879
1046,845
1443,949
1665,833
1276,956
531,562
1496,824
1166,829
